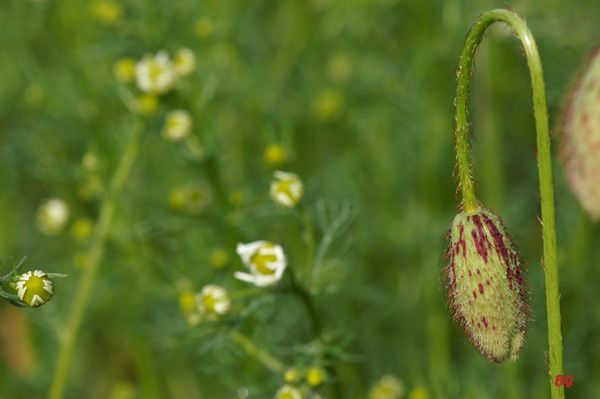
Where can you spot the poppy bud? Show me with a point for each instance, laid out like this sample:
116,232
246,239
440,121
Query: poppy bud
580,144
486,286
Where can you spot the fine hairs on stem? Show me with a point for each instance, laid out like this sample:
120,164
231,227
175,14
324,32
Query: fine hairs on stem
470,202
93,261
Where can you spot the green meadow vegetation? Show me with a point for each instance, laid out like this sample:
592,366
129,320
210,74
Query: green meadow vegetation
252,199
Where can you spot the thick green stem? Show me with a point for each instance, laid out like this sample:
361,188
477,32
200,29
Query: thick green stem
463,74
93,261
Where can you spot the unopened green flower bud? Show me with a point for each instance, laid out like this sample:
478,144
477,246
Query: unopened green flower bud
580,144
292,376
486,287
34,288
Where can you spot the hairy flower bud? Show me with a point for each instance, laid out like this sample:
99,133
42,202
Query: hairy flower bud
580,144
486,286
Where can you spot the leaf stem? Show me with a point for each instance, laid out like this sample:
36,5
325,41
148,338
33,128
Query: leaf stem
93,260
463,74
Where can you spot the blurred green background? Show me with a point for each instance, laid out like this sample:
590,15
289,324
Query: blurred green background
358,95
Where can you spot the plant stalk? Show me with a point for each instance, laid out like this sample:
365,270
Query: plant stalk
93,261
470,204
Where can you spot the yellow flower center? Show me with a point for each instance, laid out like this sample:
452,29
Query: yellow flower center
155,72
35,284
285,187
259,260
286,395
209,302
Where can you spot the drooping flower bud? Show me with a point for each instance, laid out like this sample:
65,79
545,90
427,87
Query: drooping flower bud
486,285
580,144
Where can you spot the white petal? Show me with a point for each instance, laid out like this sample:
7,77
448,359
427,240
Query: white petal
246,251
246,277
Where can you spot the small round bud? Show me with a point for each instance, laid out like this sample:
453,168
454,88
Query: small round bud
316,376
82,229
188,307
329,105
191,199
184,62
287,189
418,393
288,392
106,11
178,125
486,285
90,161
275,155
52,216
292,376
219,258
147,104
124,70
213,301
204,28
388,387
34,288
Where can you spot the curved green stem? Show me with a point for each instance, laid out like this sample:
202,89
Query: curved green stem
463,74
93,260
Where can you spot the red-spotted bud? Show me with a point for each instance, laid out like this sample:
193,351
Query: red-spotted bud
580,144
486,286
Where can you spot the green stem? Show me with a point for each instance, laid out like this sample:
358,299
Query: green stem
463,74
93,260
261,355
318,330
310,245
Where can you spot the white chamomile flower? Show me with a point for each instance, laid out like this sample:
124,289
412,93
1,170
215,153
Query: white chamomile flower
287,189
34,288
52,216
155,74
288,392
184,62
213,301
178,125
265,260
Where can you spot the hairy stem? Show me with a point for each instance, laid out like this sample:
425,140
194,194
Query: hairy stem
463,74
93,261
